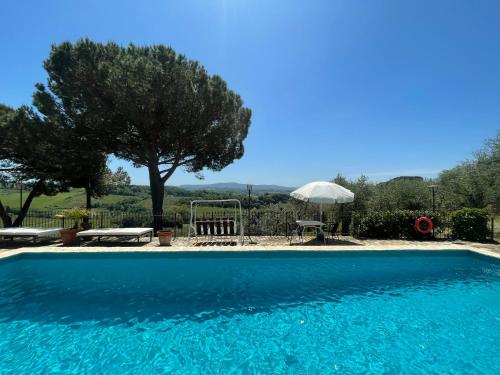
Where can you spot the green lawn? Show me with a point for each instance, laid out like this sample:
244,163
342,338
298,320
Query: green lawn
74,198
121,203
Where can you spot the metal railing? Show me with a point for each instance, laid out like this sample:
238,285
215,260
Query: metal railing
259,222
495,228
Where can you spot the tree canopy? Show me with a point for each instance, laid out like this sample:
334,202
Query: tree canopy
43,151
149,105
473,183
83,159
27,156
476,182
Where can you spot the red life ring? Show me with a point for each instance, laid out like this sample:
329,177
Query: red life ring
418,225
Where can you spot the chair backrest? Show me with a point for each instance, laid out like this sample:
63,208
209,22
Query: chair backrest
232,227
223,224
199,228
211,226
218,228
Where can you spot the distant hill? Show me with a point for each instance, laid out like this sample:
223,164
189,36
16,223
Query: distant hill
402,178
236,187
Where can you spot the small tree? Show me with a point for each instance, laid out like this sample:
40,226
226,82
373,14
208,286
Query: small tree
362,190
119,178
48,155
488,165
83,157
403,193
150,106
476,182
26,156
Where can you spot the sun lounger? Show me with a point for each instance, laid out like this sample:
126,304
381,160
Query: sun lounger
116,232
34,233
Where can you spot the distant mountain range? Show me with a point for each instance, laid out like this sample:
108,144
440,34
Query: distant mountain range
234,186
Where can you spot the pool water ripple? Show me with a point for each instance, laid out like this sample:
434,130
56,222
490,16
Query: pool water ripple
297,313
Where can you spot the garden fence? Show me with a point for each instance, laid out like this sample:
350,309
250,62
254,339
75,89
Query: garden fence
256,222
495,228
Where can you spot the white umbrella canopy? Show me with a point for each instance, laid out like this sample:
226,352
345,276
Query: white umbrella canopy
323,192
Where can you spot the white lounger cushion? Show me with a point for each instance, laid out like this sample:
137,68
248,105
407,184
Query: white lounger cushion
115,232
28,232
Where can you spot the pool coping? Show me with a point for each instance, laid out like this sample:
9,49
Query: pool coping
252,249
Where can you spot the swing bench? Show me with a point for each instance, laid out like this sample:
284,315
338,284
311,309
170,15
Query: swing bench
221,228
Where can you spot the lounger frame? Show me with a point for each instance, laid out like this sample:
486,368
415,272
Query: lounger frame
115,232
33,233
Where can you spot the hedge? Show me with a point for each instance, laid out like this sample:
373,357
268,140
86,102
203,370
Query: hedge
470,224
395,224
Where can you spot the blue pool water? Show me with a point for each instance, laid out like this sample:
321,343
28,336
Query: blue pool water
304,313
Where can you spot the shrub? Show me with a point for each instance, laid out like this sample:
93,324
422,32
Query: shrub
132,221
391,224
74,214
470,224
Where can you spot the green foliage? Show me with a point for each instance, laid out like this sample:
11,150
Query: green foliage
470,224
150,106
474,183
29,154
117,179
136,199
75,214
404,193
376,200
82,156
395,224
363,194
132,221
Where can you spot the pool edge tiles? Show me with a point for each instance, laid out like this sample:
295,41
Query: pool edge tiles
278,253
8,253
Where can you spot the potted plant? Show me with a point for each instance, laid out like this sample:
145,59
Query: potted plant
165,237
68,234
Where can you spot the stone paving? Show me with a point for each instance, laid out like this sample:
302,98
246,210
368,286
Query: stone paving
9,248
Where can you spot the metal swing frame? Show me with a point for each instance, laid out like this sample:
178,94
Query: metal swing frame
216,228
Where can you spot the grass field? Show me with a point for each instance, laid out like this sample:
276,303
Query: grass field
132,202
74,198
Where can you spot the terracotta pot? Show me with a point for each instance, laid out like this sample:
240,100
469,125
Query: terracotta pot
165,237
68,236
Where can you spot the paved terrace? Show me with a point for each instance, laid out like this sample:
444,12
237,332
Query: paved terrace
9,248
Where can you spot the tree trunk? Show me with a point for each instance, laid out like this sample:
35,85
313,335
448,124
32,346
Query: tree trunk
27,204
157,196
6,219
88,199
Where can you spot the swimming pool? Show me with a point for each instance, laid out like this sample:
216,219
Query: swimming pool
262,312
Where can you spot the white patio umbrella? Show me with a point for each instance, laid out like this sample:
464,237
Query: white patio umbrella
323,192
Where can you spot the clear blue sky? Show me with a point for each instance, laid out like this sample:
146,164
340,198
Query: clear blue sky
381,88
